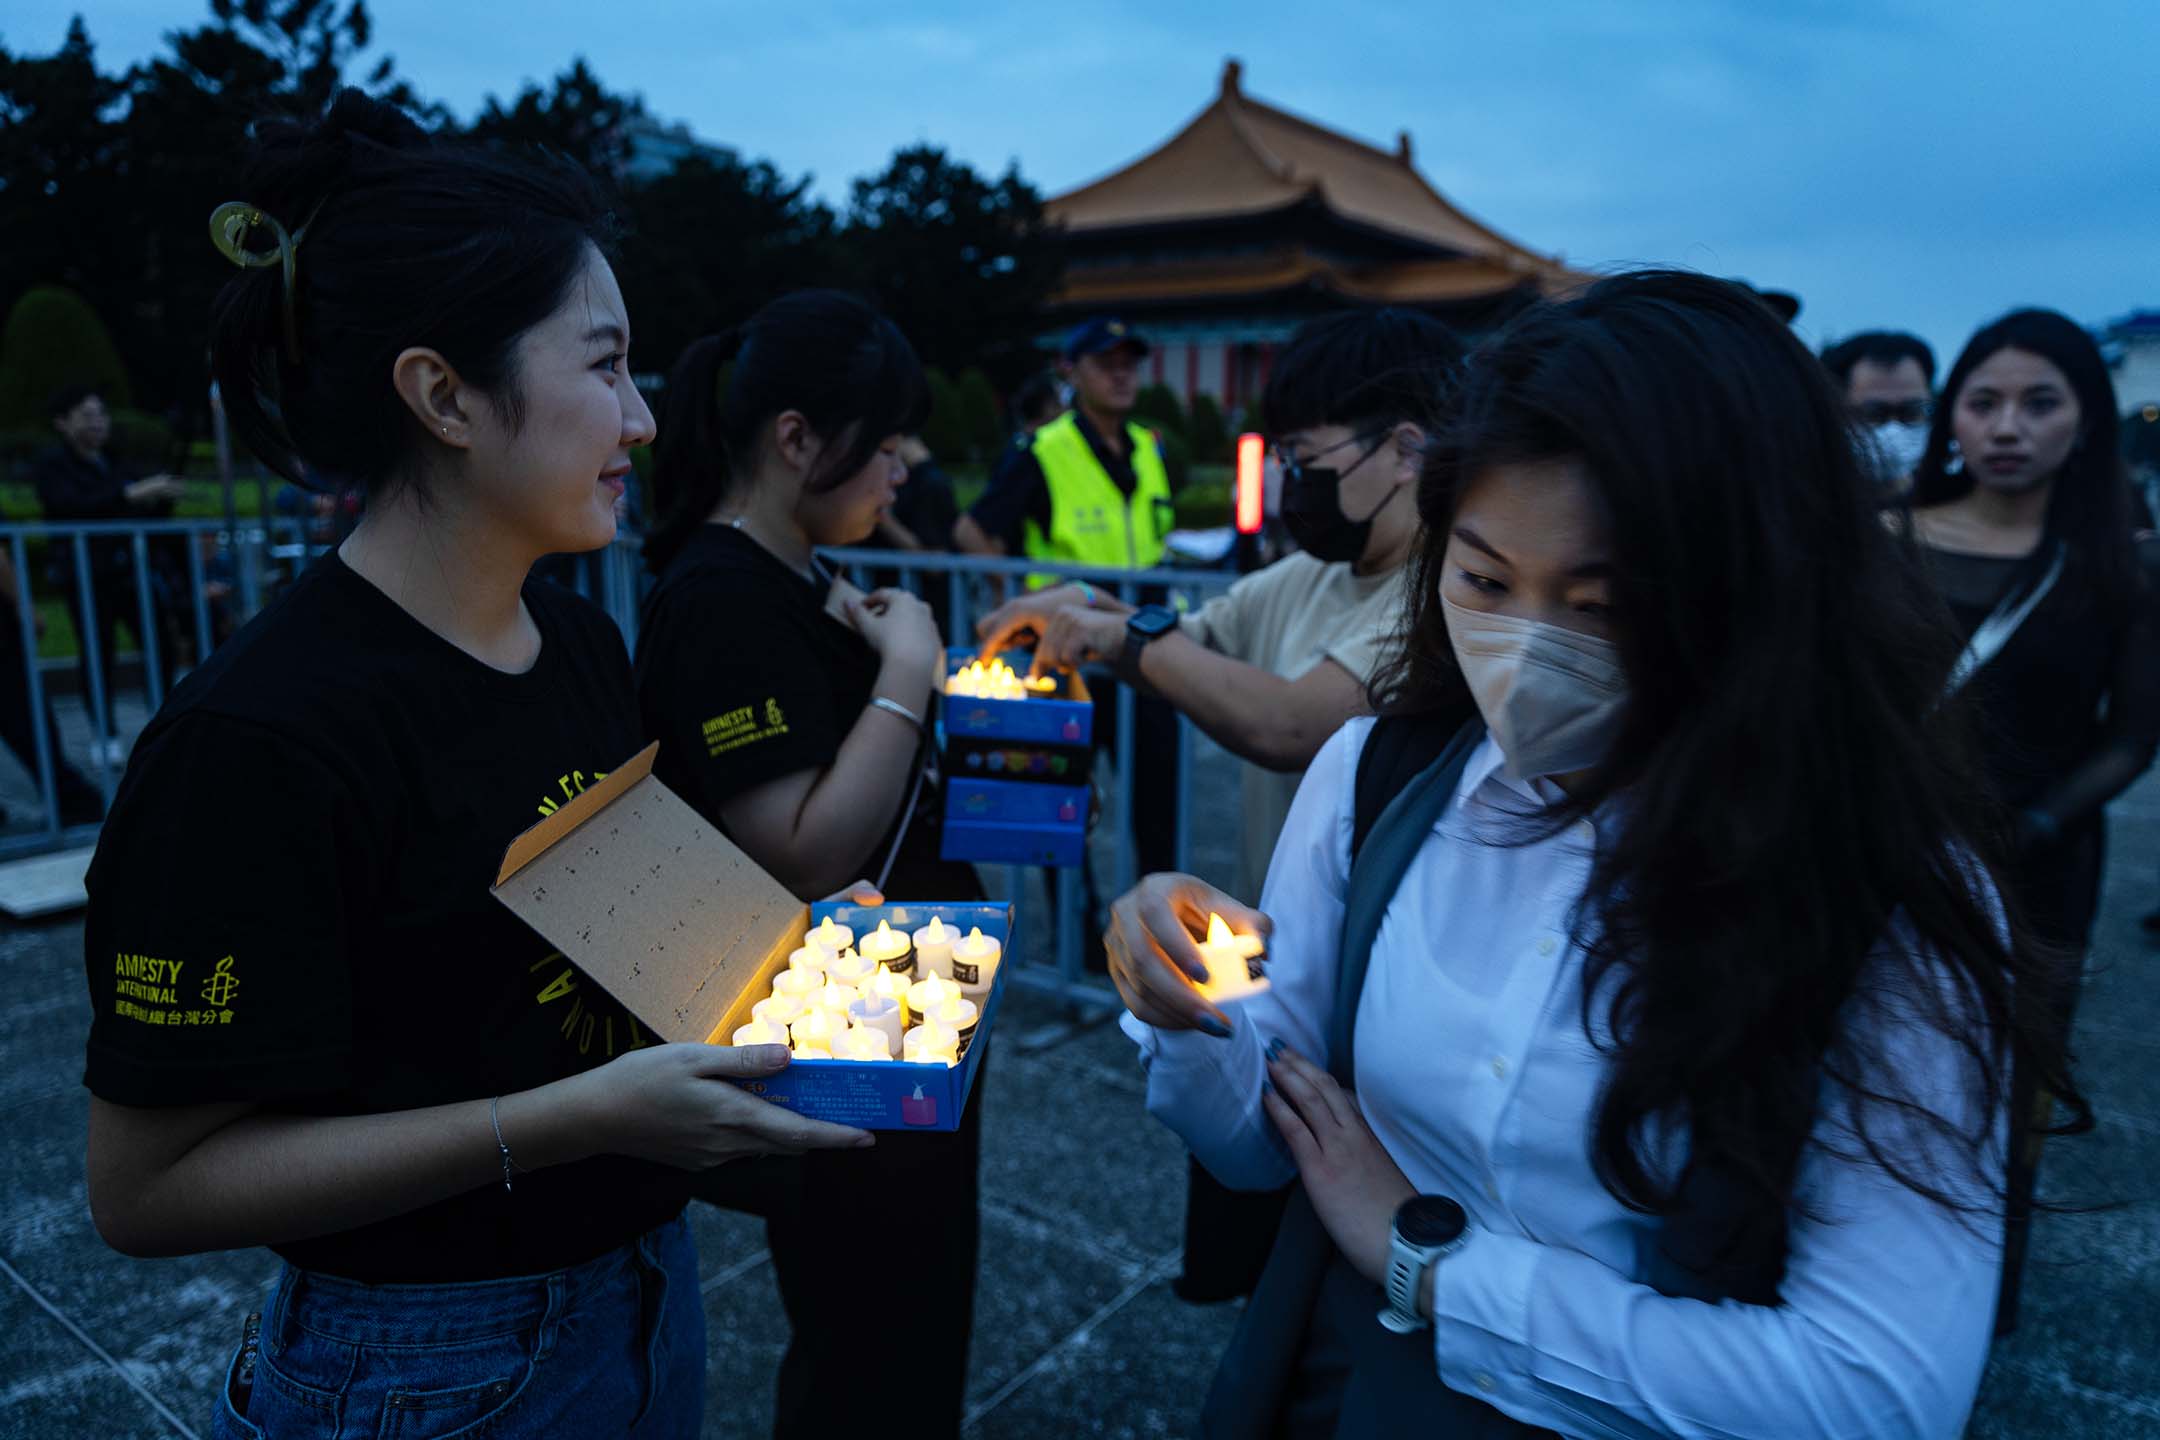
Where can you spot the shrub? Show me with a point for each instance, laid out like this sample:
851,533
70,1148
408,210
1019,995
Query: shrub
53,338
1157,407
977,400
1206,432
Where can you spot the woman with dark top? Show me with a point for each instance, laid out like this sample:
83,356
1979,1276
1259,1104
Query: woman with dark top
791,710
314,1027
1642,1009
2023,515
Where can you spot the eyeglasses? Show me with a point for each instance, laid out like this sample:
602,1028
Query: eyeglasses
1294,469
1885,412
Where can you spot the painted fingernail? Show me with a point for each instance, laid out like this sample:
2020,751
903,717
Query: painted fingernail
1267,1087
1275,1048
1209,1025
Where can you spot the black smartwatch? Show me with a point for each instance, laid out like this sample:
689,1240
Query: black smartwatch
1146,625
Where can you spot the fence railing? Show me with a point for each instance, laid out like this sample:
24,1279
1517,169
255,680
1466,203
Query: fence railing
228,572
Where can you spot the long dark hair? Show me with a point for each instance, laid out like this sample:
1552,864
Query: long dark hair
1795,793
2089,507
827,354
405,240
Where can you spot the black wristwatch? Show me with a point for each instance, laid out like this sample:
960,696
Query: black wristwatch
1147,624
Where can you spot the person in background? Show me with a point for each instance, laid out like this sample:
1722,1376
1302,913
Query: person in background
1273,667
1888,380
1091,489
313,1026
791,710
2022,512
1642,1010
919,520
76,480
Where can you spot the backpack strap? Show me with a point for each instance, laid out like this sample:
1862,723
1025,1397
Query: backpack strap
1403,804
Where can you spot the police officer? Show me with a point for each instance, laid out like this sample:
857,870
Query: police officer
1090,488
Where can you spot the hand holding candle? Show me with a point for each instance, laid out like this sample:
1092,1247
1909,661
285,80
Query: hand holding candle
1230,971
1154,944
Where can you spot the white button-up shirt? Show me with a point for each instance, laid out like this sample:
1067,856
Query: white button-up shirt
1474,1071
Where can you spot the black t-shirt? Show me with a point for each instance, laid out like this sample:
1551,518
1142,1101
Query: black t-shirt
1018,493
743,678
289,905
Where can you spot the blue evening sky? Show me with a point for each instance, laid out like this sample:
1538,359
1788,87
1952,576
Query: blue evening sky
1919,164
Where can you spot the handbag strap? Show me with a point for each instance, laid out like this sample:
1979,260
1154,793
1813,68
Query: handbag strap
2012,611
1377,867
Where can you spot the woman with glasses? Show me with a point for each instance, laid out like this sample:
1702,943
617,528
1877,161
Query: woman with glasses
1274,666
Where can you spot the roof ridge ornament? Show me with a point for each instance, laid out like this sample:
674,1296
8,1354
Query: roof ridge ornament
1402,146
1233,74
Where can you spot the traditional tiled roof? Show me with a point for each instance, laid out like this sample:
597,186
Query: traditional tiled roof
1240,157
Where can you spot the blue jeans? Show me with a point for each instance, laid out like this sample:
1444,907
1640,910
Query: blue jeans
615,1346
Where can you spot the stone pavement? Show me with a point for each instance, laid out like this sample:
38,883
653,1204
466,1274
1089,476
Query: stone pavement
1078,1333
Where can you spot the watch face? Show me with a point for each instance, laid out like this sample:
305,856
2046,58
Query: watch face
1428,1220
1153,620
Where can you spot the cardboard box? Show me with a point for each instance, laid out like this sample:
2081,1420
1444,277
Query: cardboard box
1033,820
1065,716
657,907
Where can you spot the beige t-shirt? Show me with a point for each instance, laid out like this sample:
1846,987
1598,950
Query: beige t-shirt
1287,619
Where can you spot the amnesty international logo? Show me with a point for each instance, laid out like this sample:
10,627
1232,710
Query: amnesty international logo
222,985
774,719
744,725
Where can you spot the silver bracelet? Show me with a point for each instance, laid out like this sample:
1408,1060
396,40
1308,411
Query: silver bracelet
495,1119
898,709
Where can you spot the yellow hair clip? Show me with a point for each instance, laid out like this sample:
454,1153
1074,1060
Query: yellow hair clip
229,225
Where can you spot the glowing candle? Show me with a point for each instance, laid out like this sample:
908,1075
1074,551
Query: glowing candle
761,1032
975,962
809,957
812,1052
959,1015
829,936
883,1014
933,948
798,984
1231,969
926,994
780,1010
815,1030
887,986
931,1044
853,969
836,997
889,948
861,1044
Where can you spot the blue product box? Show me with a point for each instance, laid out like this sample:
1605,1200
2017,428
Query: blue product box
1065,716
892,1094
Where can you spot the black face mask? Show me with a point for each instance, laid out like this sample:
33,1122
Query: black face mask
1312,508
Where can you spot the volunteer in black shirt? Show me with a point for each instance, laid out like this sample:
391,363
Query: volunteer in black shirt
314,1028
790,709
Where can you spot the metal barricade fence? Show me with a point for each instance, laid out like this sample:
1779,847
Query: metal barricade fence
250,562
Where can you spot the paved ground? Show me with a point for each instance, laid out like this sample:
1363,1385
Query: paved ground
1082,1197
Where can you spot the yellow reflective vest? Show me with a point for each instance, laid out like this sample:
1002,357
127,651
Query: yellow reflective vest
1092,521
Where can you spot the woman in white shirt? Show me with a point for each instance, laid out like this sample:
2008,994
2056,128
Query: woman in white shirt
1682,1039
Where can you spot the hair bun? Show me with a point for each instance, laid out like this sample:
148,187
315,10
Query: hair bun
299,162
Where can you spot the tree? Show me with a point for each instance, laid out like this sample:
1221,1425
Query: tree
961,263
1156,406
945,432
977,401
579,117
1205,431
53,338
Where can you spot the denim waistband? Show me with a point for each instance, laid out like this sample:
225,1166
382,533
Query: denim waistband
390,1316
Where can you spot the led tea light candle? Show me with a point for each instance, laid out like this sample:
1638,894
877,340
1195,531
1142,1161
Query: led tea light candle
761,1032
1231,975
883,1014
959,1015
890,948
926,994
888,986
852,968
798,985
933,949
809,957
828,936
931,1044
836,997
975,962
812,1052
816,1031
861,1044
780,1010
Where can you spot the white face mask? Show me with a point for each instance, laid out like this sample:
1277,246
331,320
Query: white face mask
1551,697
1898,448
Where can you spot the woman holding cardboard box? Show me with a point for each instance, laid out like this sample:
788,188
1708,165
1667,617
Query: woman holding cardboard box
1643,1015
314,1027
791,710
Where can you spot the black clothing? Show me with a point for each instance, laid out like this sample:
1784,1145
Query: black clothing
290,906
1018,493
744,678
